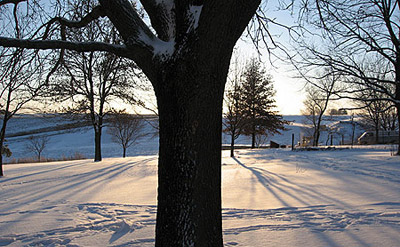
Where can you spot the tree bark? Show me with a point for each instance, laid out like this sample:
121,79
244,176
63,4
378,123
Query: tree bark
253,138
189,192
233,145
398,119
2,138
124,152
189,173
1,166
6,117
97,144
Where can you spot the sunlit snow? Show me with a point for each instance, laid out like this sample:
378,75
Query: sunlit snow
270,197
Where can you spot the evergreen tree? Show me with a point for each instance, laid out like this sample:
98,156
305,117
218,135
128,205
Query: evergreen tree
258,103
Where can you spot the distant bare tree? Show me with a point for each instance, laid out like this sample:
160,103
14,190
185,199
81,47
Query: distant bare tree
125,129
319,94
37,144
376,114
20,75
346,35
88,81
233,122
234,119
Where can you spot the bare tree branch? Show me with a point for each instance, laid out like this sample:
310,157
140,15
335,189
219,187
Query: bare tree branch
136,34
96,13
4,2
162,17
119,50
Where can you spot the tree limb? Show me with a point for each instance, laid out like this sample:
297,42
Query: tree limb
4,2
119,50
96,13
136,34
126,20
162,17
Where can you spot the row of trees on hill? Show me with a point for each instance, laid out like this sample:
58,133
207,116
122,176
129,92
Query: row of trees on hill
378,115
359,42
250,106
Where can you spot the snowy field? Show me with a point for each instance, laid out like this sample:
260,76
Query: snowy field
271,197
67,142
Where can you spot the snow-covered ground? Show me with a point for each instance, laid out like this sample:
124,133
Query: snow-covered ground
347,197
271,197
68,142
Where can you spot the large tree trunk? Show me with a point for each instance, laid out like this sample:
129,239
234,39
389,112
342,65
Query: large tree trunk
189,174
189,86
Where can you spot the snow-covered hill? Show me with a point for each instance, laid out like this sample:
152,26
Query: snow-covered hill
68,142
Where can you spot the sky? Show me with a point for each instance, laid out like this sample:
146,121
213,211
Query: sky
289,90
289,95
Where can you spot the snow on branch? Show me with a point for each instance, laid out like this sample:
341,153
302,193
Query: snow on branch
162,49
133,29
194,15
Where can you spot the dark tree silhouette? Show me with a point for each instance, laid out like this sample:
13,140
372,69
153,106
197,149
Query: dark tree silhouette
20,76
185,54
